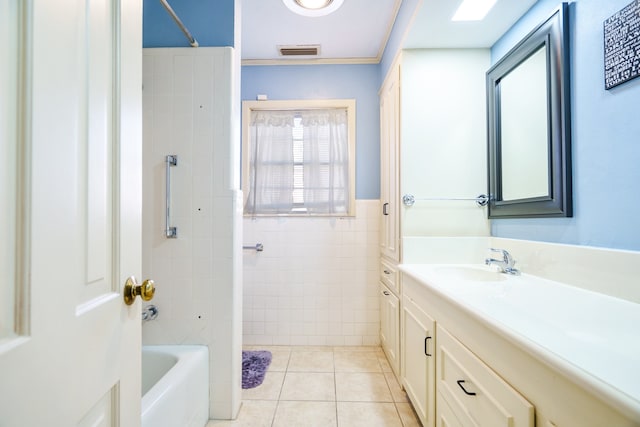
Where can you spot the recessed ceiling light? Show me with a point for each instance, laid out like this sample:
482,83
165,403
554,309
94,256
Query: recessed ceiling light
314,4
313,7
473,10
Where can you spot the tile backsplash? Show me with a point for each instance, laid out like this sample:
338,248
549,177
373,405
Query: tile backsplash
315,282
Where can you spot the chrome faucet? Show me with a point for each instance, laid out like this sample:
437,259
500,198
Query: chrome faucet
506,264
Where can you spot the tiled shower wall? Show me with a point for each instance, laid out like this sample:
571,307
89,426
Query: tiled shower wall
315,283
188,103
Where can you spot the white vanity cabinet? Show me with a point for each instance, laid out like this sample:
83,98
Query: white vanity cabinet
483,374
446,383
418,359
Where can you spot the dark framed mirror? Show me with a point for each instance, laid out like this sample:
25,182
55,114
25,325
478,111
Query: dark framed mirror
529,135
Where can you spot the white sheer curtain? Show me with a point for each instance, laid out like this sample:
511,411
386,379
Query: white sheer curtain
325,163
271,174
326,158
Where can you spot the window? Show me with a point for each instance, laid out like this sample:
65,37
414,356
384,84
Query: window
298,157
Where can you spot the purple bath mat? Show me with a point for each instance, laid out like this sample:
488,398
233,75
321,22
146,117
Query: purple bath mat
254,366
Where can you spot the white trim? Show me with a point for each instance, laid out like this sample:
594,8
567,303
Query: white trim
383,45
311,61
398,54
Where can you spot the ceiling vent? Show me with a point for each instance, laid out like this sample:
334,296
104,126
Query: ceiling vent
300,50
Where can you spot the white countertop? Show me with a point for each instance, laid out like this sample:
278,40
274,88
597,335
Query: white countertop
592,337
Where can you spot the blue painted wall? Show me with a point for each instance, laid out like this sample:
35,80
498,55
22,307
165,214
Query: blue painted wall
359,82
606,139
605,125
210,22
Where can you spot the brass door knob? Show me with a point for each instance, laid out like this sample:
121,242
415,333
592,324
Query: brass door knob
132,289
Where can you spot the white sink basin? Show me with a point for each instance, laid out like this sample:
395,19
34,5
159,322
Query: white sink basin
470,273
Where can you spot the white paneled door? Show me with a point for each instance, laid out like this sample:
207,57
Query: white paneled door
70,197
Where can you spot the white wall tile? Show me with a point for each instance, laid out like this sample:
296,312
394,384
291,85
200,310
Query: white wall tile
198,291
315,283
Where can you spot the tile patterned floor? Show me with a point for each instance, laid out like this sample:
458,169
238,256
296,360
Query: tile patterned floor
325,387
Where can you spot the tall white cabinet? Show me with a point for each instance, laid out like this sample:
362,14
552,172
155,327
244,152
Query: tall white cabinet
433,146
389,160
390,224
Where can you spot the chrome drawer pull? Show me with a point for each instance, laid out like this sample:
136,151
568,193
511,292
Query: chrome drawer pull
463,389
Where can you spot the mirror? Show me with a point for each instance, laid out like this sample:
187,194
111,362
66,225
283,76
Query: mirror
529,125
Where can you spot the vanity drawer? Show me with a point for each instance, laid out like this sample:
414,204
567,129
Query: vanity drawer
389,276
446,416
475,393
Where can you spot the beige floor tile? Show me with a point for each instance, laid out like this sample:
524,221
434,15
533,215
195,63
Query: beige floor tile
303,384
397,392
384,363
268,390
357,361
279,360
253,413
408,415
367,414
303,348
309,386
362,348
311,361
307,414
362,387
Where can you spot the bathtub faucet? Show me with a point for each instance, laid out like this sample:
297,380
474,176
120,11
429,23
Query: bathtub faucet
150,312
506,264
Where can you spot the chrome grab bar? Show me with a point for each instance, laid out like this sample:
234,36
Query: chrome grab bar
258,247
167,6
170,232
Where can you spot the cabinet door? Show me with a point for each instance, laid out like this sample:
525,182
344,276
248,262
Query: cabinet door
390,326
389,173
418,367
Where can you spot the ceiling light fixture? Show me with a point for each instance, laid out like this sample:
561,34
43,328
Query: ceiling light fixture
473,10
314,4
313,7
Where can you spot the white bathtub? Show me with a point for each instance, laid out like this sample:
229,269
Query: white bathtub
175,386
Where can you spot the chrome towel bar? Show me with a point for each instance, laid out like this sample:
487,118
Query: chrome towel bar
481,200
170,232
